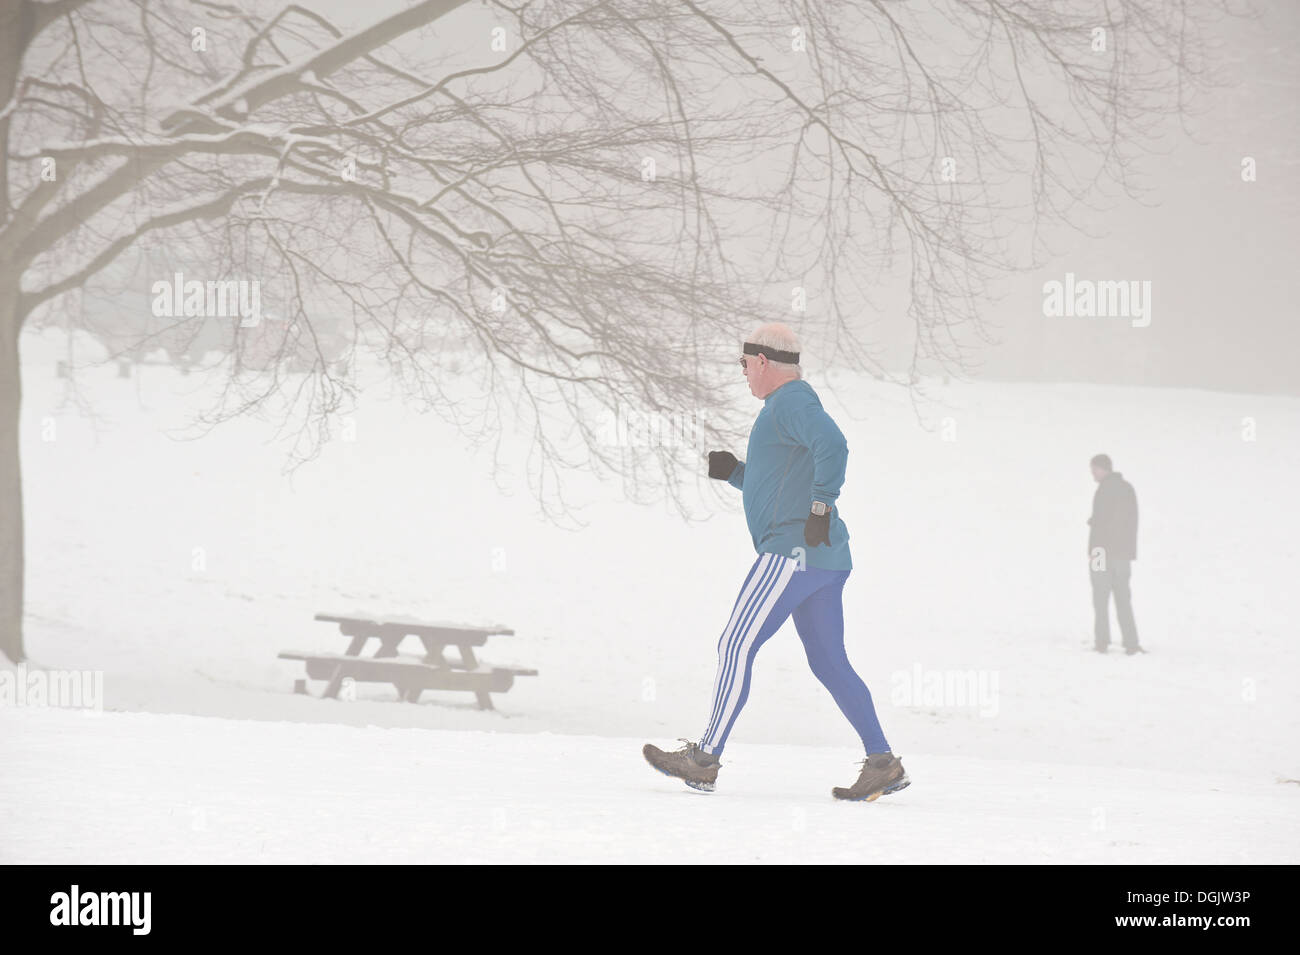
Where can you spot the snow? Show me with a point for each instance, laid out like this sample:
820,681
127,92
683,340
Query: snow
148,788
969,557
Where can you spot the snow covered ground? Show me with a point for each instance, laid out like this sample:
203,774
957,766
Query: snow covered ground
148,788
179,569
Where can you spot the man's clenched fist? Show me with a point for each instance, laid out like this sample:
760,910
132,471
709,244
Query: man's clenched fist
721,464
817,530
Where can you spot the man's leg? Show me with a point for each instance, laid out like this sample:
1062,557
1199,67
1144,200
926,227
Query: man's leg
772,590
1101,608
1121,571
820,622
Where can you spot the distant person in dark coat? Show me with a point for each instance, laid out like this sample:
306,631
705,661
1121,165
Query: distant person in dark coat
1112,548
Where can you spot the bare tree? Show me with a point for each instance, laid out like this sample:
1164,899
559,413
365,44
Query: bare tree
580,208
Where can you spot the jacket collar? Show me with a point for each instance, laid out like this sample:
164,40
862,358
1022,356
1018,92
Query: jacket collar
789,384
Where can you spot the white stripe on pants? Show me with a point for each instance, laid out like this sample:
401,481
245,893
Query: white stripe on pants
771,574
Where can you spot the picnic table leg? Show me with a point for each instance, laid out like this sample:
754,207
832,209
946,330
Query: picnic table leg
471,663
407,692
335,683
432,651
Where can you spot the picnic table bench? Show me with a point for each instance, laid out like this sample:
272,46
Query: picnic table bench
412,674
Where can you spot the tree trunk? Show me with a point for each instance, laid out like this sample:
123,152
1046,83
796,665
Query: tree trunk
11,476
15,32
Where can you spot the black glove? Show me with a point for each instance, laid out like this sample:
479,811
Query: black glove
721,464
817,530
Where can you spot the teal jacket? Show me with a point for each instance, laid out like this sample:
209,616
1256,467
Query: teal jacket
796,456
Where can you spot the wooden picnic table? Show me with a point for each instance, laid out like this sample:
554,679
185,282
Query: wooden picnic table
412,674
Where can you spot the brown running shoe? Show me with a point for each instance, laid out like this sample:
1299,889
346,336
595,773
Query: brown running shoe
882,774
690,764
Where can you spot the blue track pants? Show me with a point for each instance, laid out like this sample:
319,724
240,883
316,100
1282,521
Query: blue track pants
774,590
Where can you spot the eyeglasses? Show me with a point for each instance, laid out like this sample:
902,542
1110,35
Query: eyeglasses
746,357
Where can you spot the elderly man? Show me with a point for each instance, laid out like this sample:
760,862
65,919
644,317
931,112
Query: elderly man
790,479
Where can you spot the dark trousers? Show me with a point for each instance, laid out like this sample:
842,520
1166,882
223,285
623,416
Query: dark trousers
1113,580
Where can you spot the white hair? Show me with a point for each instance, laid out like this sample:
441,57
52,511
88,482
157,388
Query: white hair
778,336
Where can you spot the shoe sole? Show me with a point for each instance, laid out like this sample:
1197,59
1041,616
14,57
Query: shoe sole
893,787
693,783
704,787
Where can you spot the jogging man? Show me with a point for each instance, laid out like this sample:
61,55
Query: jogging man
791,478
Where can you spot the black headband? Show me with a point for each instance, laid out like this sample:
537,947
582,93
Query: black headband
788,357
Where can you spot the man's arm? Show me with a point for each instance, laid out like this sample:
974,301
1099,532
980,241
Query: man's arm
1131,528
737,479
1092,519
1105,512
811,426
